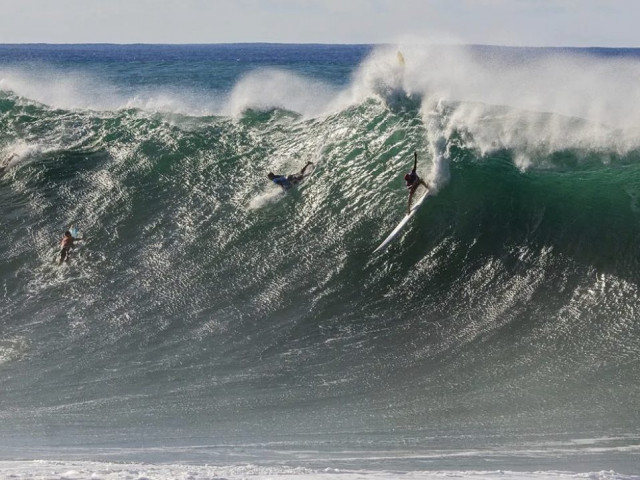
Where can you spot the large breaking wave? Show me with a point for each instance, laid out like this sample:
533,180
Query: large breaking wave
207,302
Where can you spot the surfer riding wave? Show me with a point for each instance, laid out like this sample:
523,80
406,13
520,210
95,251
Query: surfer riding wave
413,181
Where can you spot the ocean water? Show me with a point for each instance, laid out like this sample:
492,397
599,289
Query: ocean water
212,326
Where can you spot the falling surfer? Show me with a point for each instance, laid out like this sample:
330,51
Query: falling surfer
413,181
290,180
67,243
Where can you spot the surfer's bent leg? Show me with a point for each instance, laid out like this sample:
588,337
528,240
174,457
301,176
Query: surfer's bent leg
413,189
295,179
305,168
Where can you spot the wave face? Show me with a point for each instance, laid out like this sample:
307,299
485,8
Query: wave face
206,307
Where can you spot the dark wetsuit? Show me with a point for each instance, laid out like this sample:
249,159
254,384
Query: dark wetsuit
412,179
283,181
288,181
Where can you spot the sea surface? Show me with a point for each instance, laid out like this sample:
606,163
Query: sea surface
211,325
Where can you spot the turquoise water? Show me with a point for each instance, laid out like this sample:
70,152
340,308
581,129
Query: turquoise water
210,317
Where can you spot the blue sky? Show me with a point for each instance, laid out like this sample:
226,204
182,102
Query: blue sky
505,22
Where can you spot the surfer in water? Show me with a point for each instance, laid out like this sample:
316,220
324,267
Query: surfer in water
66,244
413,181
290,180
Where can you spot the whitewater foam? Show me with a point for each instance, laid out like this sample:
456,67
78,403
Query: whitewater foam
542,101
77,90
556,99
267,89
27,470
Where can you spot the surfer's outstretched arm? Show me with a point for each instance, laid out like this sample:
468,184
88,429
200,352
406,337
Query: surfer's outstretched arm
415,161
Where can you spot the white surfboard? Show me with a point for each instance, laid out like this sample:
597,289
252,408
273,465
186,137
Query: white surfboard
403,222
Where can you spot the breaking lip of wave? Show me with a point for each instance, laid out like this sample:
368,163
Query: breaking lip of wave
265,89
536,101
83,91
261,89
555,99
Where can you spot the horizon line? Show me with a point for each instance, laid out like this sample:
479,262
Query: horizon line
124,44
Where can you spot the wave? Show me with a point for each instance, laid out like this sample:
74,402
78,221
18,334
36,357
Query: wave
578,83
238,309
86,90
